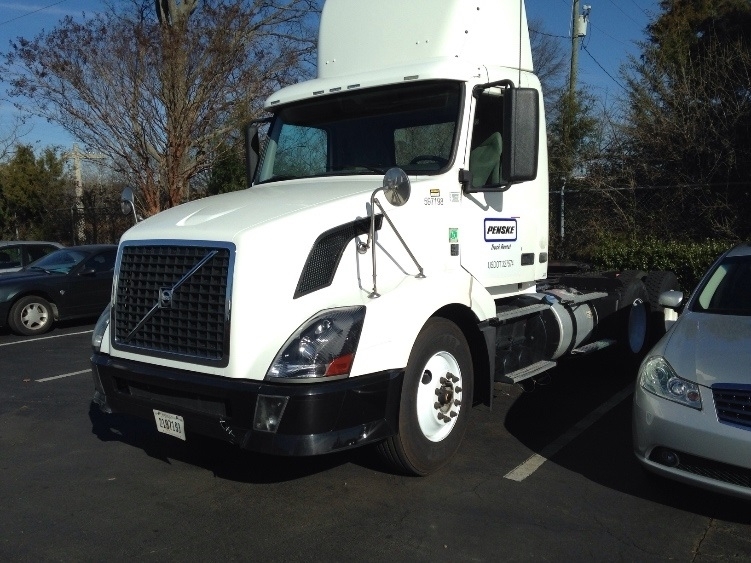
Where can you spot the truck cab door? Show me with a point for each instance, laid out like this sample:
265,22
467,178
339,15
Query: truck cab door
503,218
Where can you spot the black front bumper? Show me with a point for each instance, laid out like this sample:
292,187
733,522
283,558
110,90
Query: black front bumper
318,417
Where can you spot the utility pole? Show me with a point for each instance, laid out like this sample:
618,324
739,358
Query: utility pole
578,30
76,155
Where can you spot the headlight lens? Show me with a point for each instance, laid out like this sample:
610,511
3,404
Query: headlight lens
657,376
100,328
324,346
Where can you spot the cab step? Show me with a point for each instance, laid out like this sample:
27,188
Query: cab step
527,372
593,346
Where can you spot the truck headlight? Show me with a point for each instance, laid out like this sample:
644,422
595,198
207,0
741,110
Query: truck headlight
324,346
100,328
657,376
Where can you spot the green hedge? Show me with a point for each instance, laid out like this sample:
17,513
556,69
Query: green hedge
688,260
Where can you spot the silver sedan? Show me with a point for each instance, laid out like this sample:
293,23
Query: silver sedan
692,402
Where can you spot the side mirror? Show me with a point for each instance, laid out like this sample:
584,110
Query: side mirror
396,187
128,203
521,135
671,299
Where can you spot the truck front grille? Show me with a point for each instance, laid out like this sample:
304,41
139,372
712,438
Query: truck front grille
172,300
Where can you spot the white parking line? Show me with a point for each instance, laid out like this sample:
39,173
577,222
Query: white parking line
26,341
63,375
521,472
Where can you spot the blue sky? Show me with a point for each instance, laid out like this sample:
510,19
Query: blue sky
615,26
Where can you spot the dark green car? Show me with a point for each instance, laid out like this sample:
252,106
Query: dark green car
72,282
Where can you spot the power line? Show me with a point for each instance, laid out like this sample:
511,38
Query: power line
33,12
584,48
624,12
598,28
548,34
645,12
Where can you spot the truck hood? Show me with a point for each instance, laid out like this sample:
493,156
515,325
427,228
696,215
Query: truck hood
226,216
709,348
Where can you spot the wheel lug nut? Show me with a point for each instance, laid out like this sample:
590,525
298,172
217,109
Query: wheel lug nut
458,389
437,405
457,403
453,414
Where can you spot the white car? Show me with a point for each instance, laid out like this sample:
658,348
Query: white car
692,402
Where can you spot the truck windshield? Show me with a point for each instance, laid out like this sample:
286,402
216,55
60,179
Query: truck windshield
413,126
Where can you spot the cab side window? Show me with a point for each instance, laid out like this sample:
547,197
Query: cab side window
487,144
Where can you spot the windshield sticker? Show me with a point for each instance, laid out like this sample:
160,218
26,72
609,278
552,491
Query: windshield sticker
500,230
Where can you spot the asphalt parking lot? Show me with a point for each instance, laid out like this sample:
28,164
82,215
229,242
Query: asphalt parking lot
547,475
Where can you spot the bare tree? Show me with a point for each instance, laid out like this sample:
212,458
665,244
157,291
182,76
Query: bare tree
550,58
10,135
158,85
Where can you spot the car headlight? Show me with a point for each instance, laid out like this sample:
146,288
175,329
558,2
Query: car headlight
324,346
100,328
657,376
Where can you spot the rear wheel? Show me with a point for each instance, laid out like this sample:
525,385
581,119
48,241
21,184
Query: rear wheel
30,315
435,403
634,315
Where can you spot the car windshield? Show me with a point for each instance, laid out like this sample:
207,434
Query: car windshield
413,126
727,291
62,261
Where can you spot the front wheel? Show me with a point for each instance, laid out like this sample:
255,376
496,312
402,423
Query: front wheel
30,315
435,402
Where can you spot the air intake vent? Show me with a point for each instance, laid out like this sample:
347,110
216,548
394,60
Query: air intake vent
327,250
172,301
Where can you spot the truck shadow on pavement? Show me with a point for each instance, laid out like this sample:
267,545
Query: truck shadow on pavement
603,452
224,460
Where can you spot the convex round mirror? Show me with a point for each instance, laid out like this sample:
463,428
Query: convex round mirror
396,187
127,201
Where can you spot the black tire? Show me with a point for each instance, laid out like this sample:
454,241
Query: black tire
634,317
657,283
435,401
30,315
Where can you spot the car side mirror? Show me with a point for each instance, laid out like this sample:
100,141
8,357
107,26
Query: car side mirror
671,299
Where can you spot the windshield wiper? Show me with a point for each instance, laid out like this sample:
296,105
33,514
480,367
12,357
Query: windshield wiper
353,169
45,270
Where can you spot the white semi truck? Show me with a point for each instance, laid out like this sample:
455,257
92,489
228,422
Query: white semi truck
387,266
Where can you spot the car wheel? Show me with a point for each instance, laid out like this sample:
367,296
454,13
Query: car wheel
30,315
435,403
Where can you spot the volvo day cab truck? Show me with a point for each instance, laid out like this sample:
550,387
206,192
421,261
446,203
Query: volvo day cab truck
387,266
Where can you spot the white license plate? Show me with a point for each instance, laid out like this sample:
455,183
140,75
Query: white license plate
171,424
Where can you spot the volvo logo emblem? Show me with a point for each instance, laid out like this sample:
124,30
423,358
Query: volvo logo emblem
165,297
